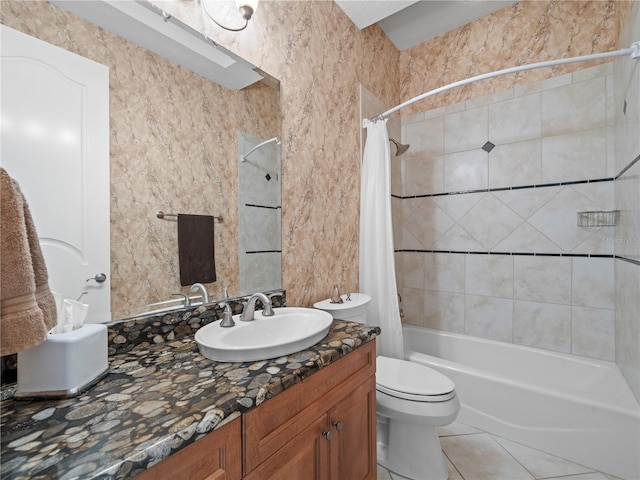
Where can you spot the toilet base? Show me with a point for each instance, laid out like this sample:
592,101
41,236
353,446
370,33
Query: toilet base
411,450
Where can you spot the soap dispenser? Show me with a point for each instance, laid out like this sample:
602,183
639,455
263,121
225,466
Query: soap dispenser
335,296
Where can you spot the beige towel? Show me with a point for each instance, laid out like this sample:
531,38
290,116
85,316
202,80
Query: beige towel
27,309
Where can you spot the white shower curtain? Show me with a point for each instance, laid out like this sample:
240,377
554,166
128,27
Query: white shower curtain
377,265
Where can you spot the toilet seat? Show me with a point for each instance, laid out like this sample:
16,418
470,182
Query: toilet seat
411,381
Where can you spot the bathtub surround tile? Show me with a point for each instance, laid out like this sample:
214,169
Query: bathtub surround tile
602,70
573,108
489,275
490,99
542,279
426,138
459,240
515,164
557,219
627,280
480,457
575,156
428,222
444,272
526,239
465,130
489,317
592,283
409,242
542,325
413,306
444,311
457,206
466,170
515,120
422,175
540,464
601,242
413,265
490,221
593,332
542,85
527,202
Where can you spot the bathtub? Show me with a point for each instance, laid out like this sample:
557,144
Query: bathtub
572,407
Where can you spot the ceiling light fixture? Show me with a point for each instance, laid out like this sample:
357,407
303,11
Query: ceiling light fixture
245,7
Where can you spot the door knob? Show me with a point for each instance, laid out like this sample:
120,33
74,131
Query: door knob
338,425
327,434
99,277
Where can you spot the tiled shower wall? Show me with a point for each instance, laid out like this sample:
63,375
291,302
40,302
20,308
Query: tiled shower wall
627,200
489,242
260,219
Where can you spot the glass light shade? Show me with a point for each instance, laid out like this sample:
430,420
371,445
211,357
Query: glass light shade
247,8
252,4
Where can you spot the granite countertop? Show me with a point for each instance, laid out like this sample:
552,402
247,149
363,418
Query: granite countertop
159,396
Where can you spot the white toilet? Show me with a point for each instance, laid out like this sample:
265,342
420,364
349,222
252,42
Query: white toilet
411,401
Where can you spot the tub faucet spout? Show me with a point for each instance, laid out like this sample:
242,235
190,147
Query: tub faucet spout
250,306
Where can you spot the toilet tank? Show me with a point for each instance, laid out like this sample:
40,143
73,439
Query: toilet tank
353,308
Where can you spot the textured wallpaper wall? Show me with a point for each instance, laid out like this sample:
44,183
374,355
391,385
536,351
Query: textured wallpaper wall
527,32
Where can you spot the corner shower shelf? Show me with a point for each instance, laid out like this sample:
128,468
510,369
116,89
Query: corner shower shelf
601,218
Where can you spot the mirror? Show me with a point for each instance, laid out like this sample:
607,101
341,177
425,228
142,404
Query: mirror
175,146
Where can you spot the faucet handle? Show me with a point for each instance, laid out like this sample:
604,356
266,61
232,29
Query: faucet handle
185,298
267,311
227,318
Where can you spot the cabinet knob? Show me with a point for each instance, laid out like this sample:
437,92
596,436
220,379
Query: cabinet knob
338,425
327,434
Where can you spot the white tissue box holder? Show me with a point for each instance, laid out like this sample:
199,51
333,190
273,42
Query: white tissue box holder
64,365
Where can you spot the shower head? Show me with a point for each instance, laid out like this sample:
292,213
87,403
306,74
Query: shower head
400,148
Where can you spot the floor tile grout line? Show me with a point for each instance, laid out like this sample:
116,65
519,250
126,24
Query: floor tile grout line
534,477
454,465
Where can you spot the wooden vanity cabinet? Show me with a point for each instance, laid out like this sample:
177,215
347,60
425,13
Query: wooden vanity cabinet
217,456
321,428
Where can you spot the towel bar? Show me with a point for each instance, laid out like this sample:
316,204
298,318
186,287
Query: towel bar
161,215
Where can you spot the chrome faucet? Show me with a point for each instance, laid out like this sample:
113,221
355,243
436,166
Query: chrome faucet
250,306
203,292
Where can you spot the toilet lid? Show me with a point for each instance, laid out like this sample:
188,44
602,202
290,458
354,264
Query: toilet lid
397,377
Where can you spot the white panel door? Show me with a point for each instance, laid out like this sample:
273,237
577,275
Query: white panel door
55,143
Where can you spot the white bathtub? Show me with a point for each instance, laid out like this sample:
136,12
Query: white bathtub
572,407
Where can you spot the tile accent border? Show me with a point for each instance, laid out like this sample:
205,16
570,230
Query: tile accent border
519,187
525,254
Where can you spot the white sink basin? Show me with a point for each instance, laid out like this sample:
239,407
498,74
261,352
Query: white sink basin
290,330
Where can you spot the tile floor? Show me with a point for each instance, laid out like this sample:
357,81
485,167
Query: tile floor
472,454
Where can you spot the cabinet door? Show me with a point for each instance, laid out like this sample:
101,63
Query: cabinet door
217,456
305,457
352,447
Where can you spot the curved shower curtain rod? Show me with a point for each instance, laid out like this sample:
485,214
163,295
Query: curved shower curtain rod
262,144
633,50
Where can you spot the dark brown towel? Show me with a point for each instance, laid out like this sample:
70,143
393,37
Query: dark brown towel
28,309
195,249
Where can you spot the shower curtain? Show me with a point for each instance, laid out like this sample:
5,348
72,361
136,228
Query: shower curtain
377,265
